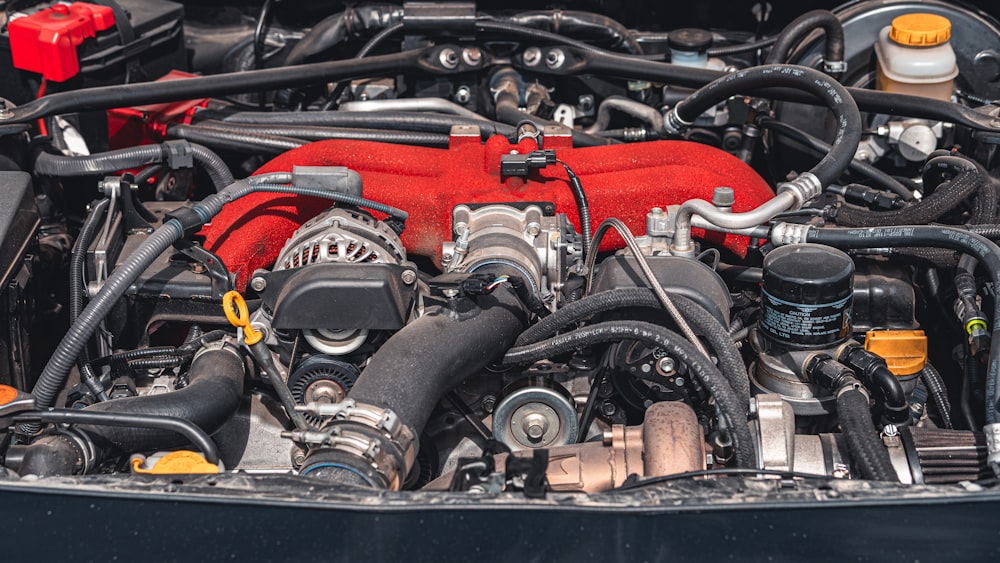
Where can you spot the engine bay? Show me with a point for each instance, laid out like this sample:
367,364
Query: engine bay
460,250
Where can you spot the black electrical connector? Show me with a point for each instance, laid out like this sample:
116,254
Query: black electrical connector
871,198
520,165
970,315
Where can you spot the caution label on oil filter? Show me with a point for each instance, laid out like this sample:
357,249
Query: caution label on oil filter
805,324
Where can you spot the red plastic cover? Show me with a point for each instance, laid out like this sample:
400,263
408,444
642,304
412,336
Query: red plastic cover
45,42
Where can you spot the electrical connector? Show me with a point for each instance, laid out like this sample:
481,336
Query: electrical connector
520,165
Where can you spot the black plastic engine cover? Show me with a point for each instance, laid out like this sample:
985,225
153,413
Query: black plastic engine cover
342,296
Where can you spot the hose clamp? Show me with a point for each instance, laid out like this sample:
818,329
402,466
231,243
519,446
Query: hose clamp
82,444
789,233
374,435
805,187
673,123
835,67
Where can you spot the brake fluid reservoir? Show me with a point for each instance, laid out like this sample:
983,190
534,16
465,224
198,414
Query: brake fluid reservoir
914,56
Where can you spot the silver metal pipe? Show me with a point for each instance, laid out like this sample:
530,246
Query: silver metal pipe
683,245
436,105
648,115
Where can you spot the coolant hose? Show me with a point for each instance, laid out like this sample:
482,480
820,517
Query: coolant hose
938,393
332,30
946,197
53,377
795,32
151,422
951,238
701,368
863,441
133,157
829,92
430,356
730,361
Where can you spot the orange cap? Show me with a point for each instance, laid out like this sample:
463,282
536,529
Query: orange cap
904,351
920,30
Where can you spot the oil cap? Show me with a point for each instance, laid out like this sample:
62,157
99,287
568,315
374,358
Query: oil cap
806,296
920,30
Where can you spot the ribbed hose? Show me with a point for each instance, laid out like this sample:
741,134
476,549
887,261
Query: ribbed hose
938,392
730,361
863,443
236,141
829,92
313,133
795,32
392,120
133,157
53,376
952,238
701,368
77,289
946,197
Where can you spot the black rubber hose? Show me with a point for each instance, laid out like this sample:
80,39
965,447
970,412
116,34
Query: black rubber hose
78,290
946,197
235,141
938,393
586,24
738,48
795,32
512,29
952,238
430,356
314,133
210,399
863,442
730,360
701,368
327,33
392,120
133,157
831,93
878,178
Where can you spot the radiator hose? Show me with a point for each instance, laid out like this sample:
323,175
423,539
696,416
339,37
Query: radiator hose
208,401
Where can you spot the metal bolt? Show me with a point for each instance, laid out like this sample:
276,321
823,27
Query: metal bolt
488,403
531,56
608,408
198,268
533,229
448,58
555,58
680,382
258,284
408,276
450,293
890,431
646,368
463,95
534,426
472,56
585,103
666,365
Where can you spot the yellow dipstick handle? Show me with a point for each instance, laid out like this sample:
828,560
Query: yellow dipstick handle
239,316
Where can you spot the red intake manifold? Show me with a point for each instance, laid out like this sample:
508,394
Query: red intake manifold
623,181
